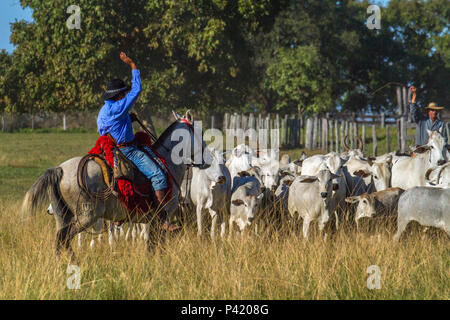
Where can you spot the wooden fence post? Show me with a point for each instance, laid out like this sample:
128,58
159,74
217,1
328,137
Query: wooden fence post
403,121
341,147
363,136
336,132
325,134
314,138
399,122
374,140
331,136
226,119
309,134
388,139
301,130
286,129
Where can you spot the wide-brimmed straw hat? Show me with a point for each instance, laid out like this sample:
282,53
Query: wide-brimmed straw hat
114,87
433,106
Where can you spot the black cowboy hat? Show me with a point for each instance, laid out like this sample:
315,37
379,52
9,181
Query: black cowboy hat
114,87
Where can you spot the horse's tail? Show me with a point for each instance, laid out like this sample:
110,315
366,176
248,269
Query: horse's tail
44,190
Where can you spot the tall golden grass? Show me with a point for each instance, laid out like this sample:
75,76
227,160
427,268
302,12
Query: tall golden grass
275,263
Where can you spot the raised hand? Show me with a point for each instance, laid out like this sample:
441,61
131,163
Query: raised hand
413,92
127,60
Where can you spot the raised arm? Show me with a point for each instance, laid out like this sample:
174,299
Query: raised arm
136,87
416,114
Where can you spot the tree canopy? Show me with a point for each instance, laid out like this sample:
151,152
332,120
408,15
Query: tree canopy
217,55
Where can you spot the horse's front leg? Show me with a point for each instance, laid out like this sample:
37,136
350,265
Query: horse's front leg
155,234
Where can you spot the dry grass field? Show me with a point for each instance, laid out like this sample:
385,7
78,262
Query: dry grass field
276,263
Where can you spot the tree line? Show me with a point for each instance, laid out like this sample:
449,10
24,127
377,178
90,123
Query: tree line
227,55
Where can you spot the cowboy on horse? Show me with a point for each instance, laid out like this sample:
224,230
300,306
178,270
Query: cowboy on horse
115,121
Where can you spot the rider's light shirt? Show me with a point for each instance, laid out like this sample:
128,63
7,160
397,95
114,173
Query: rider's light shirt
113,116
424,123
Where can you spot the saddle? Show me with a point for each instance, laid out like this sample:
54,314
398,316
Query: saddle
126,169
121,175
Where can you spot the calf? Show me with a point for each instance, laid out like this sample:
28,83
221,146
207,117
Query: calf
246,198
428,206
377,204
311,198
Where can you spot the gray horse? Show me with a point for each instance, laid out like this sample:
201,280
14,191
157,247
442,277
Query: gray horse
180,144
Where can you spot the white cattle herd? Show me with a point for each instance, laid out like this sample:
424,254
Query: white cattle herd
326,189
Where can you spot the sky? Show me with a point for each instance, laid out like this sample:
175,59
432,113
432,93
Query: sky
10,10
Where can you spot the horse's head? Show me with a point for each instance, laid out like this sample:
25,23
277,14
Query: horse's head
183,140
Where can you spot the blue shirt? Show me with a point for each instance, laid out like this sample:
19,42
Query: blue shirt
113,117
424,123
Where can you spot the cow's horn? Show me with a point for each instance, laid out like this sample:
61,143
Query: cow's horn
360,143
344,142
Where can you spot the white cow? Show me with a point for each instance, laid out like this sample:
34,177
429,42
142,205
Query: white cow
408,172
246,198
381,204
281,195
294,167
349,153
439,176
428,206
333,162
240,160
211,191
310,198
376,172
267,162
285,160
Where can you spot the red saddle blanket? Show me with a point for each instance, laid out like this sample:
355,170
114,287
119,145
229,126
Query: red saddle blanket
135,197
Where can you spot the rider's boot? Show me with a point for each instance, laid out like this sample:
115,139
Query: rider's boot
161,197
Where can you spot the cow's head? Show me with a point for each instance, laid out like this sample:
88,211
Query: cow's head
365,206
215,172
325,180
380,172
247,207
